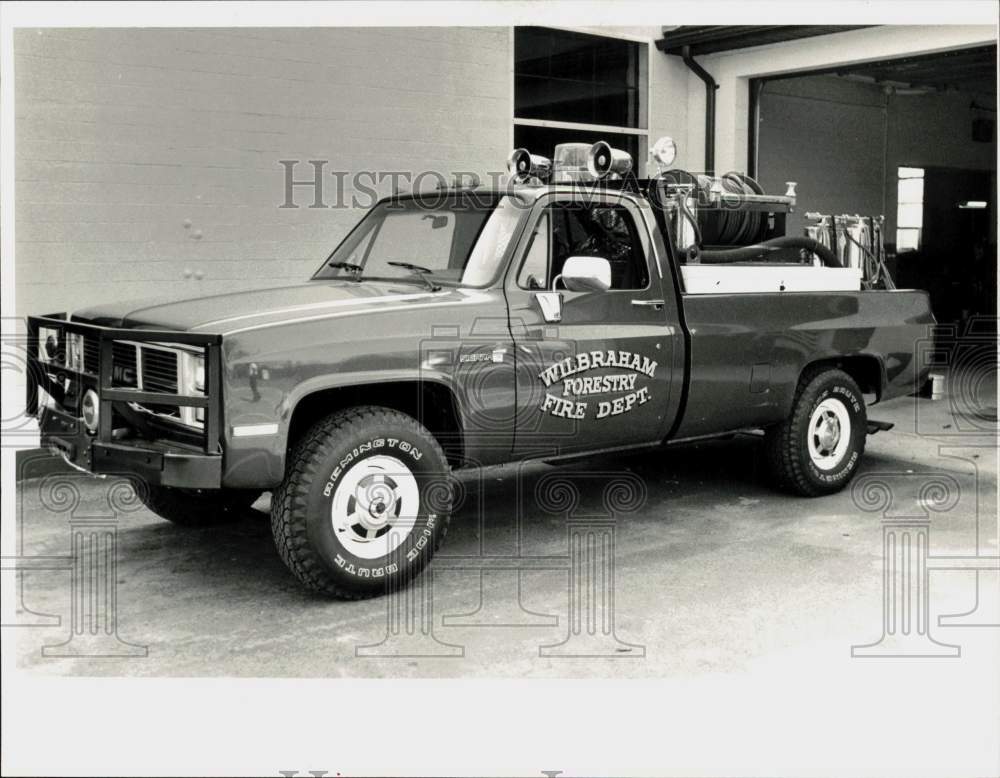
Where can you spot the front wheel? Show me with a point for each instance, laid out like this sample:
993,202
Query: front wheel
818,448
365,503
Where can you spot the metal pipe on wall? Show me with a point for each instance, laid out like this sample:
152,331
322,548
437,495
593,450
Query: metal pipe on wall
756,89
710,87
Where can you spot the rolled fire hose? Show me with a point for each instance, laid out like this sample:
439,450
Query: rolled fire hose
744,253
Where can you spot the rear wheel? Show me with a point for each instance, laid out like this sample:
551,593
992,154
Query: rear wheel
818,448
197,507
365,503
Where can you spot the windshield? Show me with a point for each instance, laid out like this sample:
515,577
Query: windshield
458,238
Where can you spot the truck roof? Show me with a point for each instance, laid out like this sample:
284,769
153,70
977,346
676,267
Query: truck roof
531,191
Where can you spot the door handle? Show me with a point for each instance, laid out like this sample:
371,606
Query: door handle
657,304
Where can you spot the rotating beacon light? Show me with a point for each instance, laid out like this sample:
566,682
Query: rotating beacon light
569,163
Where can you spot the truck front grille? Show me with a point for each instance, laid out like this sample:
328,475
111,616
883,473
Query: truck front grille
124,365
71,360
159,370
91,355
148,368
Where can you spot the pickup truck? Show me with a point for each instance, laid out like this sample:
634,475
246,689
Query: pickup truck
462,329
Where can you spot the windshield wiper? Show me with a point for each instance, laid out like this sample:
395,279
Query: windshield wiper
422,273
354,269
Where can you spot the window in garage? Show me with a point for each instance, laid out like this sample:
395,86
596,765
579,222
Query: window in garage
570,86
909,208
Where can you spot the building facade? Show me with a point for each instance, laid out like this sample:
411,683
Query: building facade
154,162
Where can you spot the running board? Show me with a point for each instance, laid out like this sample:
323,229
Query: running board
879,426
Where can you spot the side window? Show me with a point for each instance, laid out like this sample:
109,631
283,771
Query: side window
535,268
588,230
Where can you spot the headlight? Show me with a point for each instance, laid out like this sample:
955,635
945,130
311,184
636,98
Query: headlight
91,410
199,373
191,378
48,344
192,381
74,351
51,346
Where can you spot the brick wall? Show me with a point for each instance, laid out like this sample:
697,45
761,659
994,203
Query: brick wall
146,155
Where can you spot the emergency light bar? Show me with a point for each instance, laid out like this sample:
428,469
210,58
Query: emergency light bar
582,162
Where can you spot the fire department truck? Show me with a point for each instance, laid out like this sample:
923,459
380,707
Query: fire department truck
576,309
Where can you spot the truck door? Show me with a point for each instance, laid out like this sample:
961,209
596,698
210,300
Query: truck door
607,373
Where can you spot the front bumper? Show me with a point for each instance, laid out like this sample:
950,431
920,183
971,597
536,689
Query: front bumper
155,463
122,443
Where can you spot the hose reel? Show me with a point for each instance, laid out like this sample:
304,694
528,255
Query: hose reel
720,226
725,219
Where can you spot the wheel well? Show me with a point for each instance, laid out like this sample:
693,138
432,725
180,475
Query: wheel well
865,369
432,404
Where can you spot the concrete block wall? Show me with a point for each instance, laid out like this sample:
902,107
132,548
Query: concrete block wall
145,153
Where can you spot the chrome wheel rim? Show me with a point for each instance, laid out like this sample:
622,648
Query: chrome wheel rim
829,434
375,506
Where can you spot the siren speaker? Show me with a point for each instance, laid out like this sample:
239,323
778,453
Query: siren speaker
522,165
603,161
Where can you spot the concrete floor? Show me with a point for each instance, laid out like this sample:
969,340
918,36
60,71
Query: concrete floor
715,573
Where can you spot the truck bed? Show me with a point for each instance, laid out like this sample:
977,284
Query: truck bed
746,351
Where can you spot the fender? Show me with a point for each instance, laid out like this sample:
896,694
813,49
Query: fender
259,460
850,364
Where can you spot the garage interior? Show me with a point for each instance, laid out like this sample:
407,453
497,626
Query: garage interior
912,138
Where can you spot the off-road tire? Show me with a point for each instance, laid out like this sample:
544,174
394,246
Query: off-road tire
318,553
197,507
787,444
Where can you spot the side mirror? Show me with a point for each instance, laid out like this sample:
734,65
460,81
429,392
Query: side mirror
585,274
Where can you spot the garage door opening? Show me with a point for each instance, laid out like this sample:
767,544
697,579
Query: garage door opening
910,139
